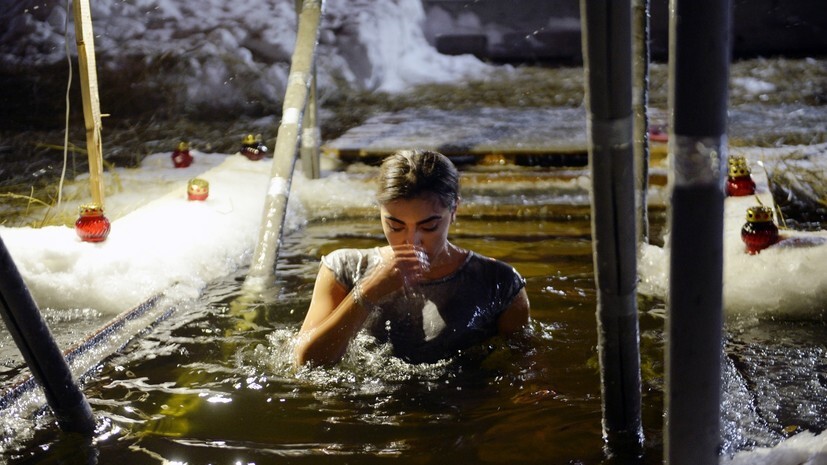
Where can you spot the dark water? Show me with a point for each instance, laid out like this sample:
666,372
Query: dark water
214,383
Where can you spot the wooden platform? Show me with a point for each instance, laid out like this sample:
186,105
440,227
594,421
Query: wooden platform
545,136
522,136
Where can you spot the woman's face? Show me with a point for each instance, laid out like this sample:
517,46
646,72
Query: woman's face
422,222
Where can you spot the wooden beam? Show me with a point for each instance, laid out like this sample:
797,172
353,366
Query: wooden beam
84,38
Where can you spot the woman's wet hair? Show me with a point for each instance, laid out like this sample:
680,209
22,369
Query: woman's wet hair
410,174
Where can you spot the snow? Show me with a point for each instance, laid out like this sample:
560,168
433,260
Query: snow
802,449
785,280
162,243
220,52
753,86
169,245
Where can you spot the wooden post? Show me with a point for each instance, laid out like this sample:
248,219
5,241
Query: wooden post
310,135
607,51
284,155
640,104
699,56
91,101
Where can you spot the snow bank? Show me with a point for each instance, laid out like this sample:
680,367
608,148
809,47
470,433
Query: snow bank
229,52
786,280
168,245
802,449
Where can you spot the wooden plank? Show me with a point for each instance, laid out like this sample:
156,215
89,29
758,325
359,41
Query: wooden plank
299,84
84,38
509,132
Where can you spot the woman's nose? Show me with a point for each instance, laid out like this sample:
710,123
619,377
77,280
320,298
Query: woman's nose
413,237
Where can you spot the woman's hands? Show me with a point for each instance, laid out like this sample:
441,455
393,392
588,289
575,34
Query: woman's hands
336,314
401,267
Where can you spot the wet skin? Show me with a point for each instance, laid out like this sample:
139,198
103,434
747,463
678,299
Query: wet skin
417,234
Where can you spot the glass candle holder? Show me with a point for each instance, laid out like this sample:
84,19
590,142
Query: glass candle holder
92,225
739,179
181,157
759,232
198,189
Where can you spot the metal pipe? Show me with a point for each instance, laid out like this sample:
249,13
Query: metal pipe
284,154
46,362
699,56
607,48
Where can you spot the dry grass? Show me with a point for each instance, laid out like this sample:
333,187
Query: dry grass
799,188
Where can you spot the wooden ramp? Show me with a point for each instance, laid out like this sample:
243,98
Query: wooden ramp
546,136
522,136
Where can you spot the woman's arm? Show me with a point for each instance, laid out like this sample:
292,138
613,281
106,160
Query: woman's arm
335,316
332,320
516,316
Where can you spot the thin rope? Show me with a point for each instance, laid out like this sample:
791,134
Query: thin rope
66,127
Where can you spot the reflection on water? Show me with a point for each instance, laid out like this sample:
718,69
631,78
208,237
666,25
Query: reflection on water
776,374
215,383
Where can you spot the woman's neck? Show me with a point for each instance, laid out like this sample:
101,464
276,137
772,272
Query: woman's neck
446,262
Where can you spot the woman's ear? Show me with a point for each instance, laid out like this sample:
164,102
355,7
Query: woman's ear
454,210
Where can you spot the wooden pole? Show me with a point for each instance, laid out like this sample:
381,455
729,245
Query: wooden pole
310,135
91,101
699,56
284,154
607,51
640,104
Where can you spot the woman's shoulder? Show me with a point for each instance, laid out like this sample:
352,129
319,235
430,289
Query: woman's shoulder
494,271
490,264
351,254
350,264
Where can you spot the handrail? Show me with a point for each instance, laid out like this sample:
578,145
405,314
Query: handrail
32,336
607,39
700,44
284,155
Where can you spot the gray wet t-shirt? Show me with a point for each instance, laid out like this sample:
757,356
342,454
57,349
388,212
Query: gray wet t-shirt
434,319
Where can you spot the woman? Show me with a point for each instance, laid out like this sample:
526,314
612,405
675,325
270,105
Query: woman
425,296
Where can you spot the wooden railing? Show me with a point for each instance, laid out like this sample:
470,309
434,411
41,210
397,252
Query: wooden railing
295,114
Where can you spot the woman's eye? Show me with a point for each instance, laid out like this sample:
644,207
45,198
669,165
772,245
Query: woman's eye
395,228
430,227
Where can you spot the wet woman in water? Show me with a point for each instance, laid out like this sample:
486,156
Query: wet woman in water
422,294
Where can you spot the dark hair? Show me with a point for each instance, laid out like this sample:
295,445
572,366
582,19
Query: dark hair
409,174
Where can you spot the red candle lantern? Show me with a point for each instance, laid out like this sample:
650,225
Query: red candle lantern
252,148
658,134
92,225
739,181
181,157
198,189
759,232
